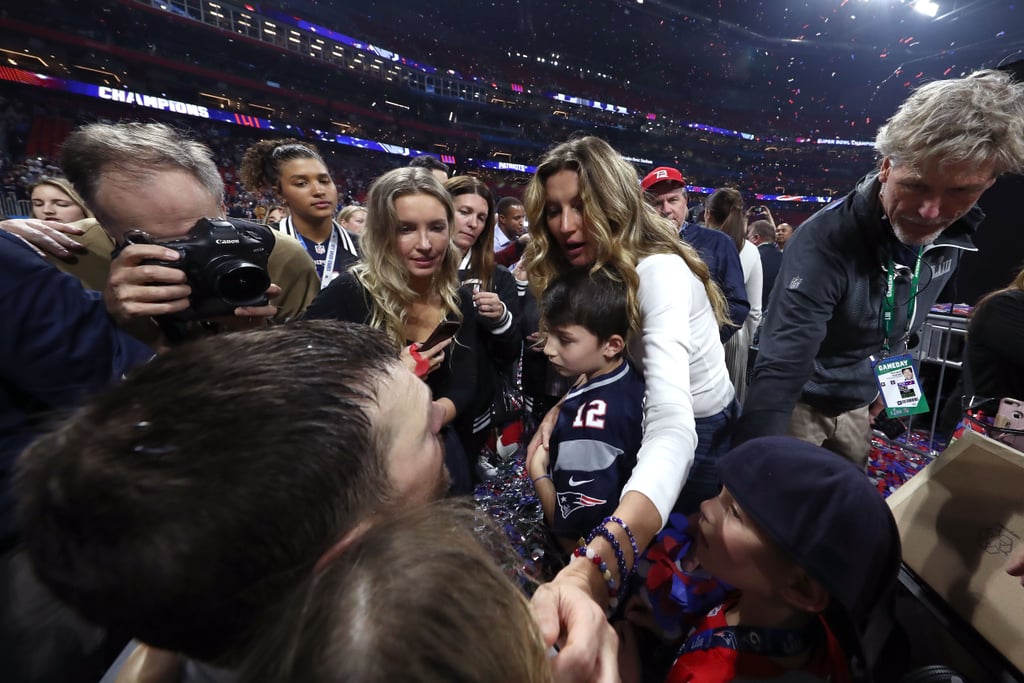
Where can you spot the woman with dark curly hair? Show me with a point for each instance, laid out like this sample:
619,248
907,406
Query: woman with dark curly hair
297,175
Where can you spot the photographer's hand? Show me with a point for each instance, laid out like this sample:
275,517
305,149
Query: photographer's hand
247,317
48,238
135,290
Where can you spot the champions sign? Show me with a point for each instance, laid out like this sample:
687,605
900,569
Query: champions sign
129,97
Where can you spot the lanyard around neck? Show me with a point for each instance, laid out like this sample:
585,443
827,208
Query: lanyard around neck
889,302
332,253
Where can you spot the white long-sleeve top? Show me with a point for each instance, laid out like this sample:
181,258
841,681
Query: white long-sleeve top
753,281
683,363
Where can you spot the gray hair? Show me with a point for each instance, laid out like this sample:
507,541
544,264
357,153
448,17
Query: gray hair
136,149
763,229
975,119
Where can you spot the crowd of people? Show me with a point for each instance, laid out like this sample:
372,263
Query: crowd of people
234,451
307,99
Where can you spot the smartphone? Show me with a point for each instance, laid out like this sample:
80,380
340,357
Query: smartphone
446,330
1011,416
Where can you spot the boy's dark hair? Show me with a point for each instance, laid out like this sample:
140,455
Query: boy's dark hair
430,163
594,300
506,203
185,502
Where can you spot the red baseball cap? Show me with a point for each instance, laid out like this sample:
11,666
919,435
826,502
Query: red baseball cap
663,174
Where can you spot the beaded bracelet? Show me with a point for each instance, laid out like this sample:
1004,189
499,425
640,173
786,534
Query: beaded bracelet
620,556
543,476
590,554
629,535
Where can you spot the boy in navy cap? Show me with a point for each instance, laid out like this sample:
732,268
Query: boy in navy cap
809,547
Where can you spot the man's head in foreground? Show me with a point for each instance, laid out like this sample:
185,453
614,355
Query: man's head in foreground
182,504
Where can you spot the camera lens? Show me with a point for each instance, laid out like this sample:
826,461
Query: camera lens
241,283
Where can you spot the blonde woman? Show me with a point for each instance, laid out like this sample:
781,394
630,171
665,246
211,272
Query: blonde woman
406,285
53,199
586,208
353,219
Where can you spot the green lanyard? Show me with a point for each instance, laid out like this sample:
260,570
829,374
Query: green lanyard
889,303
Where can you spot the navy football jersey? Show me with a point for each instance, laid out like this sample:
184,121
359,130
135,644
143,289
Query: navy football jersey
593,449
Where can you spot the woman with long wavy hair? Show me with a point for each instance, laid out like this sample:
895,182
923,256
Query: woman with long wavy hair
586,208
406,285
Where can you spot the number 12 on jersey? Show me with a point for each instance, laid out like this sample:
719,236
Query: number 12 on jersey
591,415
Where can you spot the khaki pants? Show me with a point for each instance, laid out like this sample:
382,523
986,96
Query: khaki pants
848,434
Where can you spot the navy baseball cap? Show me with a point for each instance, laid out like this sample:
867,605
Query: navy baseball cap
823,512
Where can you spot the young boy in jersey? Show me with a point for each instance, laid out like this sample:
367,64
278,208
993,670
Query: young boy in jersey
807,547
594,443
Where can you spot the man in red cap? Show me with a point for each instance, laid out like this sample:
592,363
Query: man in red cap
667,189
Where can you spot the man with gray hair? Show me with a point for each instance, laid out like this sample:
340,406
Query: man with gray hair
860,275
152,177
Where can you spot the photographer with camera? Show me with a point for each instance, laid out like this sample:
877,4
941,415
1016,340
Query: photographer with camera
187,264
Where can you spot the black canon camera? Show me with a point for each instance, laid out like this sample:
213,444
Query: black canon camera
225,261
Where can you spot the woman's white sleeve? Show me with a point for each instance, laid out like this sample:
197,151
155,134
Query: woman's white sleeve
753,280
670,435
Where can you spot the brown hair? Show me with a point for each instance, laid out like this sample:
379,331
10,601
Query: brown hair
724,210
623,227
481,260
414,598
261,162
173,507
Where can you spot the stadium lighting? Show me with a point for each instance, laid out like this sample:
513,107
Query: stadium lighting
926,7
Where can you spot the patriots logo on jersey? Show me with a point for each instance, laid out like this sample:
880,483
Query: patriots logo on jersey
571,501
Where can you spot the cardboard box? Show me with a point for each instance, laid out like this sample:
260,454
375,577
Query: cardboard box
960,520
